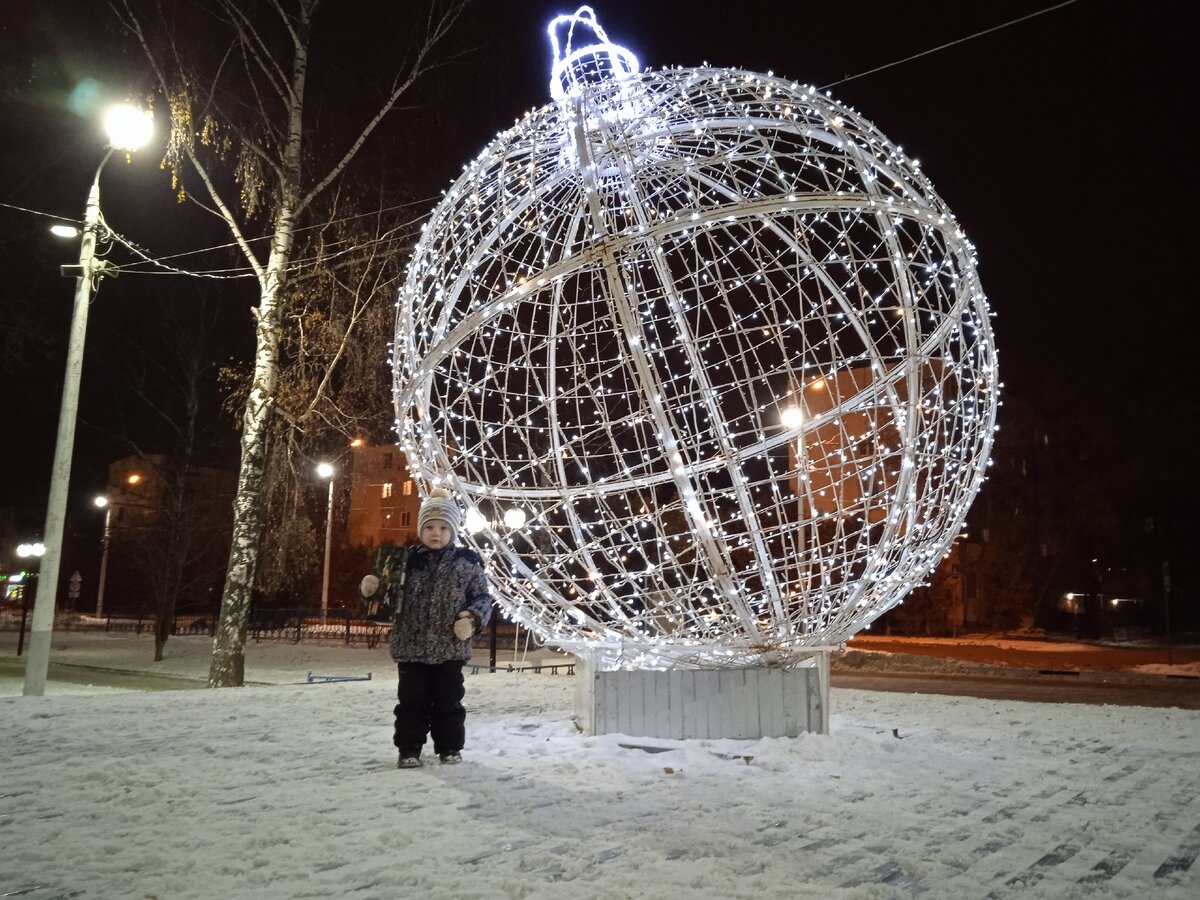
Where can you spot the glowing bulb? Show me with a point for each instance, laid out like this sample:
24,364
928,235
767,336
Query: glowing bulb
128,127
474,521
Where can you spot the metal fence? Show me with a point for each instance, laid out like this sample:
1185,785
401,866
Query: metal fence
295,625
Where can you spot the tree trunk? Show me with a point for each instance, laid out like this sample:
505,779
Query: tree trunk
229,639
169,598
229,636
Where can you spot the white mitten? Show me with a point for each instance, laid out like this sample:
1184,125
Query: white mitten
464,626
368,586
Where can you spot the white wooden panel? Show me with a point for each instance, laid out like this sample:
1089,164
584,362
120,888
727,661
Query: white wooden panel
663,702
708,685
743,709
610,688
679,699
696,711
680,704
814,704
795,708
629,696
749,700
719,707
770,705
585,695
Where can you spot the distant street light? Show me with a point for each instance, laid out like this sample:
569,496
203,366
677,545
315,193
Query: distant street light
474,523
25,551
793,417
128,130
325,470
102,502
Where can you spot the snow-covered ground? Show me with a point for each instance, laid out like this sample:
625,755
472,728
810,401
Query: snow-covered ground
289,790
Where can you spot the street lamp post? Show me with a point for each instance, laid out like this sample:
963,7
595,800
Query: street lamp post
793,417
325,470
103,503
35,550
514,519
474,522
126,131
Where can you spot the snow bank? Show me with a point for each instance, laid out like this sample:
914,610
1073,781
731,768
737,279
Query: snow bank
290,791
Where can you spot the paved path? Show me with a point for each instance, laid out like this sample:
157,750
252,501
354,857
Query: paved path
1093,688
1041,654
14,668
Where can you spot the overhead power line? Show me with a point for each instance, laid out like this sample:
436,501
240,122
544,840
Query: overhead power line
238,272
962,40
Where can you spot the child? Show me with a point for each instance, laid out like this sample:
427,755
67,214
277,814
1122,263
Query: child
441,600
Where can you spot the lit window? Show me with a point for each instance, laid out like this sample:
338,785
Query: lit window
408,488
387,489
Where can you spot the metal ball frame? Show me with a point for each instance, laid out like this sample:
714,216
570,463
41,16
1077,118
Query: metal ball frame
724,347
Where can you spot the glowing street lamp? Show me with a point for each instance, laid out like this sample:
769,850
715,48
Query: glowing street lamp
128,130
34,549
325,470
128,127
101,502
792,417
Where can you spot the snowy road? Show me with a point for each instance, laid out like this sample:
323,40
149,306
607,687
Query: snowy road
1088,687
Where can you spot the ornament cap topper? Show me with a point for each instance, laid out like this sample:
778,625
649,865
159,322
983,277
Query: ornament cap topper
598,59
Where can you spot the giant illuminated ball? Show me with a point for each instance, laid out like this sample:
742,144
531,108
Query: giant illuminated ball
705,356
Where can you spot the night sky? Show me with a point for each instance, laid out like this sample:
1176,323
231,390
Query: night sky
1058,141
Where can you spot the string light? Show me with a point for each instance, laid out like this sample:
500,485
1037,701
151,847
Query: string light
722,345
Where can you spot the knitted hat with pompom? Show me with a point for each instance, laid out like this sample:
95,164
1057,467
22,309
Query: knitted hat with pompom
439,505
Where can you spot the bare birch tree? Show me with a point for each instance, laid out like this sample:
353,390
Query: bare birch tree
333,385
234,75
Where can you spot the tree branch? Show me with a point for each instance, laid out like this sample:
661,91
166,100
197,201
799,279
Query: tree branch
437,31
256,49
132,22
